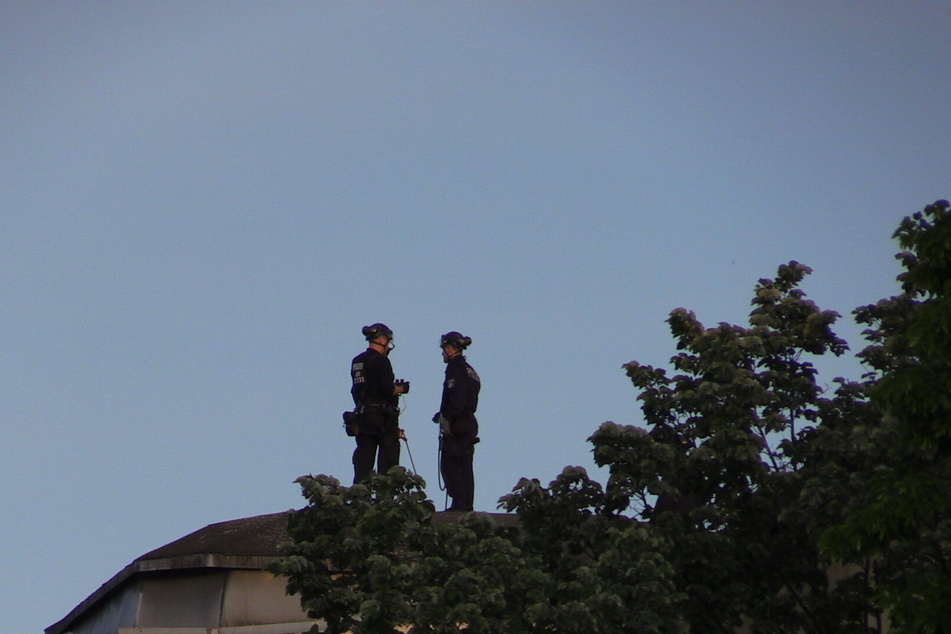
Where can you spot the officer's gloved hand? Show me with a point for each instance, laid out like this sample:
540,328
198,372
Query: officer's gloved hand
444,426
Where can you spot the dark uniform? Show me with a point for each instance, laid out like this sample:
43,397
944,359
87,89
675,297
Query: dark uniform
460,398
372,392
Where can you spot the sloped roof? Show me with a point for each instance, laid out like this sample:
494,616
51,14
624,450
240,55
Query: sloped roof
247,543
251,536
254,537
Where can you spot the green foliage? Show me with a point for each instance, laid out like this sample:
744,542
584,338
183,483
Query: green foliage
607,573
370,558
722,470
349,556
901,516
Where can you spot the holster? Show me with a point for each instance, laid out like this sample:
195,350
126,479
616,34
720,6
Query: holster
351,423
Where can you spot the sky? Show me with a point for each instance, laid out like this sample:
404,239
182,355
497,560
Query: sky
204,202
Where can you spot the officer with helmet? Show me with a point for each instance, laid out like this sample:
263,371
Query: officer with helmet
376,397
456,417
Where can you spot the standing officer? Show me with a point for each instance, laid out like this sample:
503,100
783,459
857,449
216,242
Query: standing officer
376,396
460,430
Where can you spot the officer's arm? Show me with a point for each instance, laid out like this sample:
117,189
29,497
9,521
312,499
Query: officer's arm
458,394
386,377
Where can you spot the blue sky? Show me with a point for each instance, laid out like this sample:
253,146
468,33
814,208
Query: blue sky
203,203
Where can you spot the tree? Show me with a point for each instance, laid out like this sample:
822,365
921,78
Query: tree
370,558
725,509
726,450
901,517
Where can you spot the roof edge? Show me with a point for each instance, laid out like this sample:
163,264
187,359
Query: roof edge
150,566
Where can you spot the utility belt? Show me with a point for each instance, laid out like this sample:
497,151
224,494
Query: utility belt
445,424
353,420
378,408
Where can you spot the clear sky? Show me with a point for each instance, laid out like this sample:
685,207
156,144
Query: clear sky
204,202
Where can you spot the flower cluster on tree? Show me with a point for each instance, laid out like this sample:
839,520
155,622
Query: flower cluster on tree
753,497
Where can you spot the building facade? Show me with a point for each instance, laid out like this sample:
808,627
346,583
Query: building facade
213,581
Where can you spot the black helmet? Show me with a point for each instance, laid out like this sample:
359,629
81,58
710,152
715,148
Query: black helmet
373,331
456,340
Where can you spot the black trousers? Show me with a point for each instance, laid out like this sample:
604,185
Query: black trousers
458,449
382,448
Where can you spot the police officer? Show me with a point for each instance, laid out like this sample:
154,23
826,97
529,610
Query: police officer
456,416
376,396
